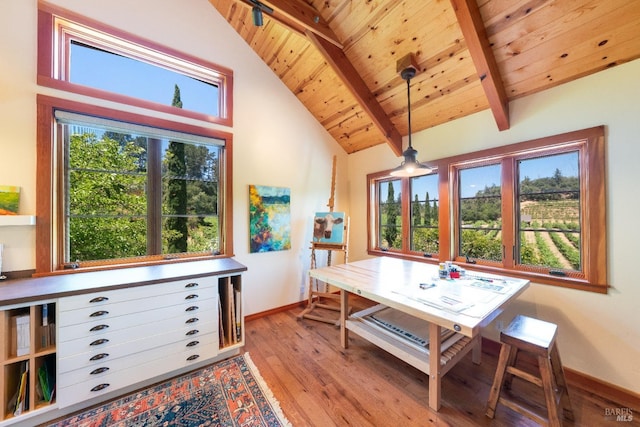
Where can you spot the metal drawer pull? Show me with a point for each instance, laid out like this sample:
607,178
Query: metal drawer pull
99,313
193,343
99,370
192,296
99,356
192,320
191,285
98,328
100,341
192,332
100,387
192,308
99,299
194,357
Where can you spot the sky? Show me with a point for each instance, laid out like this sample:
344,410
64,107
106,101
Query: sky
476,179
114,73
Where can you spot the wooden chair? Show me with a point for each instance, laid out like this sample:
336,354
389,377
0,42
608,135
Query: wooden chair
537,338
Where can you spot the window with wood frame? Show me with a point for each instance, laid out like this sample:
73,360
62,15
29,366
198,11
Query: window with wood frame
534,209
79,55
117,187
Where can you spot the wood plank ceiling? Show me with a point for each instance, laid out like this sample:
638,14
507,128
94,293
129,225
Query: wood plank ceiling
340,57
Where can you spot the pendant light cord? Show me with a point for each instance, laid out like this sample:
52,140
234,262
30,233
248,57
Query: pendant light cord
409,108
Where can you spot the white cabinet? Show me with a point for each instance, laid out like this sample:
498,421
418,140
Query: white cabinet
113,339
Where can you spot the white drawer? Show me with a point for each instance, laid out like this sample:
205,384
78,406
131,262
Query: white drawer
113,351
101,326
199,345
128,307
138,292
164,363
134,328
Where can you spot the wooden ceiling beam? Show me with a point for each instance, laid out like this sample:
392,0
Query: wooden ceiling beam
336,58
475,34
304,19
300,17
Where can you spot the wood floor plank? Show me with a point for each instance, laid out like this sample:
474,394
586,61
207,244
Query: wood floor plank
318,383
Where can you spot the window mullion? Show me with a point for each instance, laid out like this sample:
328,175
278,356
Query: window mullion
405,203
509,215
445,219
154,197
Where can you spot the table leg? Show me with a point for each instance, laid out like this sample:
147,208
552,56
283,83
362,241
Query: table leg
344,313
435,379
476,352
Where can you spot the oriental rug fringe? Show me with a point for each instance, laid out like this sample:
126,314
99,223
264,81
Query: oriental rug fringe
228,393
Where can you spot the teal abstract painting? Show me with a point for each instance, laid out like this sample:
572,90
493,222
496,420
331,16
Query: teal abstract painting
269,218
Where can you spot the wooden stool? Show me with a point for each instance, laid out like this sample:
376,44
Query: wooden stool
537,338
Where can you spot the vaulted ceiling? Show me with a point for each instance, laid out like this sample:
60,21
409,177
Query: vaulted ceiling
342,58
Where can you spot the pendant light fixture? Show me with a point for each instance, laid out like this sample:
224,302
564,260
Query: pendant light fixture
410,166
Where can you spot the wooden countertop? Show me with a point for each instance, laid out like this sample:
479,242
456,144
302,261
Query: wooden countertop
19,291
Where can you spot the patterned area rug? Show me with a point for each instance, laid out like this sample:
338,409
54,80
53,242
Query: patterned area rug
228,393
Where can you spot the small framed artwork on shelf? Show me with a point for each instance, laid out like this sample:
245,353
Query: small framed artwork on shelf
9,200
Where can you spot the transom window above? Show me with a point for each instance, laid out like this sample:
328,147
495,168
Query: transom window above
79,55
98,68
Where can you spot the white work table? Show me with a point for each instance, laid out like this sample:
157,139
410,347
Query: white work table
417,323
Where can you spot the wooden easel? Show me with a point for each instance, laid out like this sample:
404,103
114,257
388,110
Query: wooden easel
316,294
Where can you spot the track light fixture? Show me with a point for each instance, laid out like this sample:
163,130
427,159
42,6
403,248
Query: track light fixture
257,16
410,166
256,12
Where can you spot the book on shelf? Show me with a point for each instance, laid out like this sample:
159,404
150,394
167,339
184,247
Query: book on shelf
46,382
20,335
238,313
22,394
230,311
47,329
226,302
220,325
45,314
47,335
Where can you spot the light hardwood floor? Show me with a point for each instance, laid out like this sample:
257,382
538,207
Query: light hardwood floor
318,383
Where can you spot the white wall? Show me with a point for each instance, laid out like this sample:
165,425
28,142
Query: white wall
276,140
599,335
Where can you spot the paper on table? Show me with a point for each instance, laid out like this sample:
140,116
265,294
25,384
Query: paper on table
453,297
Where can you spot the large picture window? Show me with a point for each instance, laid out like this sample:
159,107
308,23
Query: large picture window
115,192
134,190
535,209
